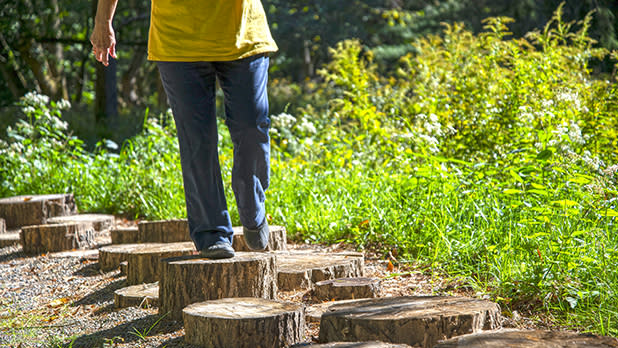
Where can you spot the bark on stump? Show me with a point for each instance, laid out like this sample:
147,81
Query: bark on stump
163,231
99,222
277,239
59,237
529,339
300,270
111,256
417,321
143,263
346,288
190,279
374,344
2,226
21,211
9,238
244,322
125,235
142,295
123,268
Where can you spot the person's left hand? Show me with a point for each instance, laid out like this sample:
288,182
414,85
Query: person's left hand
103,42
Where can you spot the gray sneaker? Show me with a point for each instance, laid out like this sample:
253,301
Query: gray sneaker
219,250
257,240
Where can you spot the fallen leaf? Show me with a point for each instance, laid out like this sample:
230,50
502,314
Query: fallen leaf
390,267
26,199
58,302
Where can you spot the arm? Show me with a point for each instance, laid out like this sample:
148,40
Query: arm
103,38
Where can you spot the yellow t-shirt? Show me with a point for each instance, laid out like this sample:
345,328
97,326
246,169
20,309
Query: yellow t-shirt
208,30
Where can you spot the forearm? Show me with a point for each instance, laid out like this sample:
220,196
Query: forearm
105,11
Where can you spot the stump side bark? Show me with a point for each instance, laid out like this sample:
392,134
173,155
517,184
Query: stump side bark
142,295
9,238
163,231
374,344
277,239
346,288
59,237
190,279
125,235
529,339
300,270
99,222
111,256
2,226
143,263
31,210
244,323
417,321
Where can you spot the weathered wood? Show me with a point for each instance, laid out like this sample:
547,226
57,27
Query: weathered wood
143,263
244,323
346,288
529,339
125,235
417,321
141,295
2,226
163,231
313,313
99,222
9,238
190,279
111,256
277,240
32,210
123,268
58,237
374,344
300,270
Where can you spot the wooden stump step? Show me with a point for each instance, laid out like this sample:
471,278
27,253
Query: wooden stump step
124,235
9,238
244,322
141,295
417,321
529,339
277,239
99,222
143,262
346,288
373,344
163,231
190,279
32,210
111,256
313,313
2,226
57,237
300,270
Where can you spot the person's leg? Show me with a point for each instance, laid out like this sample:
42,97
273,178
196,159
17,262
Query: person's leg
190,87
246,109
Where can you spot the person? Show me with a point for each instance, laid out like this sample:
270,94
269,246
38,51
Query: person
196,43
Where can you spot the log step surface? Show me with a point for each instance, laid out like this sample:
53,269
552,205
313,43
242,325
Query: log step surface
141,295
163,231
346,288
143,262
300,269
277,239
189,279
125,235
111,256
57,237
244,323
414,320
100,222
29,210
529,339
313,313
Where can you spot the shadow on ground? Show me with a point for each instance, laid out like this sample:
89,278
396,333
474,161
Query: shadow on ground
103,294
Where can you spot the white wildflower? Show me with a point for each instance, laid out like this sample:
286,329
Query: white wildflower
307,126
283,120
63,104
28,110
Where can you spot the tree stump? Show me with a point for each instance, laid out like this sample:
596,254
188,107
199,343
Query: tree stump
313,313
99,222
123,268
300,270
111,256
417,321
142,295
21,211
125,235
244,322
143,263
58,237
190,279
529,339
9,238
346,288
2,226
163,231
277,240
373,344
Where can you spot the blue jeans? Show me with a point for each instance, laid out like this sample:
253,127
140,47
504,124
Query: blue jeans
190,88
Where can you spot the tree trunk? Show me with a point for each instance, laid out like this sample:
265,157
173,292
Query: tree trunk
49,238
21,211
529,339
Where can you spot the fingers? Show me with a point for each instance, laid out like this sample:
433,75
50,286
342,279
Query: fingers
112,50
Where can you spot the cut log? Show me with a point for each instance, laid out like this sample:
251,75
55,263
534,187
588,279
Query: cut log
529,339
190,279
125,235
244,323
123,268
277,241
313,313
346,288
9,238
417,321
2,226
163,231
374,344
300,270
58,237
21,211
99,222
83,255
111,256
141,295
143,263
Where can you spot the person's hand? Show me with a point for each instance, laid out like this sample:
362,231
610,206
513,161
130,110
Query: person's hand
103,42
